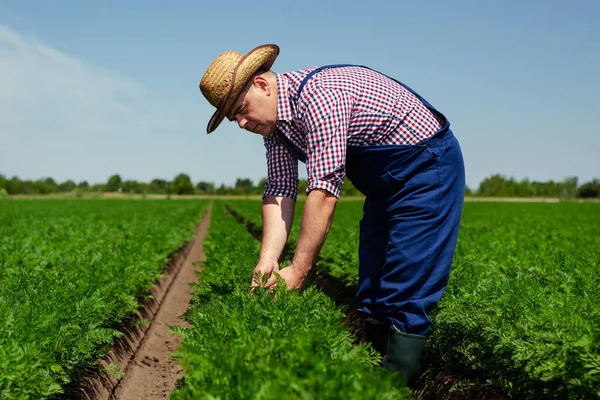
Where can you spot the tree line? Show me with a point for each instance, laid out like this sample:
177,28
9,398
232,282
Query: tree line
501,186
494,186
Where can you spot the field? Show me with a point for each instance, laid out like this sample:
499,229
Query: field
70,273
520,317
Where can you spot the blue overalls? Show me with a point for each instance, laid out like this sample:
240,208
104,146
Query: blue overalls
414,199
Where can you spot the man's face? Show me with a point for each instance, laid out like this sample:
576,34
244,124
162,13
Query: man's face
255,110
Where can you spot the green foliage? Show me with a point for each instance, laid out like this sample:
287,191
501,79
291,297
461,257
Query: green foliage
132,186
500,186
244,186
339,255
114,183
70,272
521,309
3,194
590,190
348,188
158,186
182,184
523,299
269,345
302,186
494,186
115,370
205,187
67,186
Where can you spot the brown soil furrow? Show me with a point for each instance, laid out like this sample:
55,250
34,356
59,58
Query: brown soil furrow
143,354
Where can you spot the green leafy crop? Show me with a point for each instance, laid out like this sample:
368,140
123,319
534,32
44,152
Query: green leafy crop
70,272
281,345
522,309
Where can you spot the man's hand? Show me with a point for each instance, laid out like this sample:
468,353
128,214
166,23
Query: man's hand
277,220
264,270
292,275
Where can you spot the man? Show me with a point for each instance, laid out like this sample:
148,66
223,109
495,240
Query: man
396,149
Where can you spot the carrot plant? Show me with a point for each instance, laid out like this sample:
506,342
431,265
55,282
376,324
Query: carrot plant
523,305
522,308
70,272
262,345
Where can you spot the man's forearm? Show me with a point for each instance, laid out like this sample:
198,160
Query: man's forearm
316,220
277,216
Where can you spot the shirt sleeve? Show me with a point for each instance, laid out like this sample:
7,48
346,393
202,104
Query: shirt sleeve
326,116
282,166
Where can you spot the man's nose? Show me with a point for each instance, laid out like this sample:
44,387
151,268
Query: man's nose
242,122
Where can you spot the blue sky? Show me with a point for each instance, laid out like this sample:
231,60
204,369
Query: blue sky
89,89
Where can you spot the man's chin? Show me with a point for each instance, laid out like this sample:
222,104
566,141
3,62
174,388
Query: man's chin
264,132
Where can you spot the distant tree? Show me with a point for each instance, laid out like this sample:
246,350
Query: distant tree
244,186
51,185
67,186
182,184
492,186
223,190
44,186
114,183
83,185
569,187
260,188
158,186
589,190
205,187
468,191
14,186
132,186
98,187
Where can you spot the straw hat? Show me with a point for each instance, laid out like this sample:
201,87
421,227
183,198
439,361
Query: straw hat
227,76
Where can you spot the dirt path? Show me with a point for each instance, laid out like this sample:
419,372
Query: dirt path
144,369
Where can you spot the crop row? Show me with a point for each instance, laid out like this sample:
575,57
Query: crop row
265,345
70,273
521,309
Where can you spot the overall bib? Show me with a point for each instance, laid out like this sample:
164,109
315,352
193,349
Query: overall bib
408,233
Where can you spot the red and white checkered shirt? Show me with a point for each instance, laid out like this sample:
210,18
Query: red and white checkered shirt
338,107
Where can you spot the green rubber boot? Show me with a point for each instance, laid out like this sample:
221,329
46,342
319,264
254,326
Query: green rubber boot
404,353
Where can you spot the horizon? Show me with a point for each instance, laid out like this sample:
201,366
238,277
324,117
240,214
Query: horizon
92,90
257,182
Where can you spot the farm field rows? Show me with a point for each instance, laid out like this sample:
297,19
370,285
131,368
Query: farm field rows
521,311
70,273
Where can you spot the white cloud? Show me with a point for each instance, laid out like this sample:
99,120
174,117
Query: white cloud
45,92
63,117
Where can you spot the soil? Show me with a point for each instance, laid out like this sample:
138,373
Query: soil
140,364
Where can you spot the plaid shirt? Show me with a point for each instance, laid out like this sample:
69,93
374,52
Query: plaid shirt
338,107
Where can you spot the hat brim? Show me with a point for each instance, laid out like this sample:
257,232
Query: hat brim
260,57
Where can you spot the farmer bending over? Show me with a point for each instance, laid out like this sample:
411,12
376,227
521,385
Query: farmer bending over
347,120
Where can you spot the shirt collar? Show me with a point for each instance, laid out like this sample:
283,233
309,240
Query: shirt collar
284,106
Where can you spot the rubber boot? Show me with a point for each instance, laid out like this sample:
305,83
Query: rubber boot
404,353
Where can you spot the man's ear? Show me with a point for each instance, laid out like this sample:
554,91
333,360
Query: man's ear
262,84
